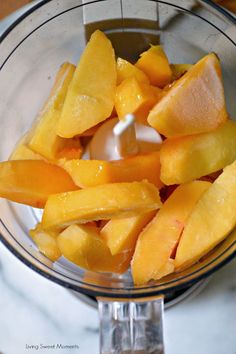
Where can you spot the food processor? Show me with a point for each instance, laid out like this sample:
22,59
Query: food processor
31,51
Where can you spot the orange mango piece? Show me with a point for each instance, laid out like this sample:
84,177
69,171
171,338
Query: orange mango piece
137,98
187,158
121,235
31,182
194,104
23,152
42,137
72,149
157,241
211,220
154,63
100,203
90,98
83,246
126,70
179,70
46,242
90,173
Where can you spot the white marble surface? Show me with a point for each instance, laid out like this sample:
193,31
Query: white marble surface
34,311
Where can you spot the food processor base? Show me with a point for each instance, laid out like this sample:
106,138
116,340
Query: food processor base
171,299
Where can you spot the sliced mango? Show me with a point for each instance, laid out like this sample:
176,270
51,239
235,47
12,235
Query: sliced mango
157,241
43,138
72,149
23,152
121,234
90,173
46,242
137,98
126,70
194,104
154,63
31,182
90,98
212,219
100,203
191,157
83,246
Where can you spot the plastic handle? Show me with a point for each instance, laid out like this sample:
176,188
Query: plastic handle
131,326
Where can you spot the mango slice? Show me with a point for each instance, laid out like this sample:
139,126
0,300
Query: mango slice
46,242
179,70
121,235
126,70
31,182
212,219
90,173
157,241
72,149
23,152
154,63
100,203
137,98
194,104
91,95
83,246
43,138
191,157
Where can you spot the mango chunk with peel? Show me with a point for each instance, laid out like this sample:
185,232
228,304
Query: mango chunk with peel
90,97
90,173
194,104
187,158
127,70
31,182
154,63
137,98
83,246
103,202
43,138
157,241
211,220
23,152
46,242
121,234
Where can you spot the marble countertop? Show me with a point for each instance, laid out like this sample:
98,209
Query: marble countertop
35,311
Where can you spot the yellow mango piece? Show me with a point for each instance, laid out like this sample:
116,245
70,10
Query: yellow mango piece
126,70
23,152
157,241
121,234
90,173
100,203
83,246
46,242
211,220
43,138
31,182
90,98
187,158
137,98
154,63
179,70
71,149
194,104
